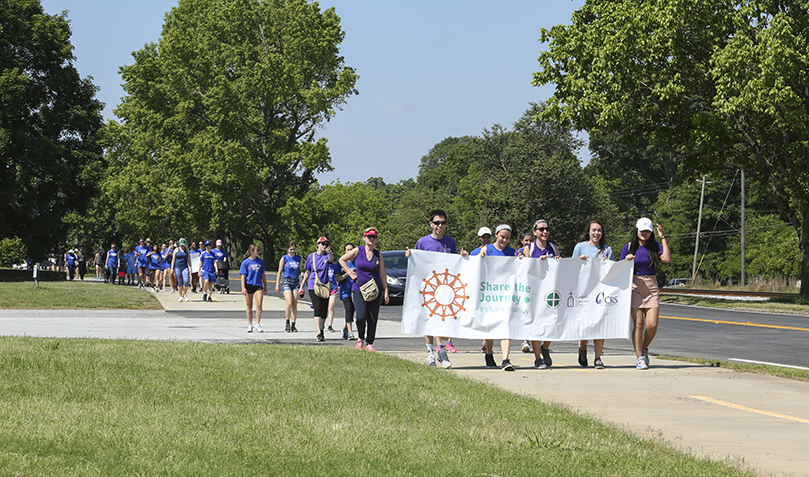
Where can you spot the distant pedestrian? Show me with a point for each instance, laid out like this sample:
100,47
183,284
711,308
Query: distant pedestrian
143,263
334,289
370,286
81,258
207,271
98,261
222,256
288,280
180,266
316,277
194,264
155,266
70,260
113,262
254,285
131,263
346,284
645,307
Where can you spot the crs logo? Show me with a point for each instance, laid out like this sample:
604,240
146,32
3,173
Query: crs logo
607,300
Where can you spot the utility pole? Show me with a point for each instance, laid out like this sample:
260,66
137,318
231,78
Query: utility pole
743,270
699,225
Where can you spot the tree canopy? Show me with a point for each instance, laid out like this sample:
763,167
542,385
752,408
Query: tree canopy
219,125
721,83
49,118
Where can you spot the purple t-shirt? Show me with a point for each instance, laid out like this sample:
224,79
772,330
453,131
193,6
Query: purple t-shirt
366,269
445,245
642,264
537,252
322,262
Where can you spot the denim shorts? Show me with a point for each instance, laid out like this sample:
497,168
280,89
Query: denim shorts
183,277
291,283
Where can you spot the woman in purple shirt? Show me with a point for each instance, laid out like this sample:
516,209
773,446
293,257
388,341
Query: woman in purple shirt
541,248
647,254
368,265
317,263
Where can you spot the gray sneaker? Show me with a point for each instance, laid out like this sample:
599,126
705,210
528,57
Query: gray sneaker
546,357
539,364
443,358
645,353
507,366
430,359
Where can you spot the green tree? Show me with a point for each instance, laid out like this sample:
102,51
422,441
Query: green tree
723,83
49,118
220,120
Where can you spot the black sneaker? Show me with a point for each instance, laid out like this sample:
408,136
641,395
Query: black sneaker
490,362
345,333
292,328
599,364
332,330
539,364
583,357
286,328
320,337
546,357
507,366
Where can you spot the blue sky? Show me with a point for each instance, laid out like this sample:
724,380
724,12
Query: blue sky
428,70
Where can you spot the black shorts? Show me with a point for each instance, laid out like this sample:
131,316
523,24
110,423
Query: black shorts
251,289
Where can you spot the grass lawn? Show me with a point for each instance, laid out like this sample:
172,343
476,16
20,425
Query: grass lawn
74,295
87,407
792,306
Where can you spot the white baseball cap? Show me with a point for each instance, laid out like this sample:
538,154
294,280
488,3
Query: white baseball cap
644,224
483,231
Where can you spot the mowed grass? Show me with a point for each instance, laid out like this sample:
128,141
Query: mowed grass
93,407
74,295
787,305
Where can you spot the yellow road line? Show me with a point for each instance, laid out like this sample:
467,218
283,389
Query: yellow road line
749,323
750,409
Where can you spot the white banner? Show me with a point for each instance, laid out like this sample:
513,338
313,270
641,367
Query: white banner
505,297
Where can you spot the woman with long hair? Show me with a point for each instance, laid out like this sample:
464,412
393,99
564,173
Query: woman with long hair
155,266
593,244
289,268
317,272
541,248
254,285
368,266
180,263
346,284
645,307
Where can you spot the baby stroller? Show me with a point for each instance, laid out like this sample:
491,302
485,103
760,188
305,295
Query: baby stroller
222,282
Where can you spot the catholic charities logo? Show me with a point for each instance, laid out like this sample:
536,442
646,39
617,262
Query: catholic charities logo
553,299
444,294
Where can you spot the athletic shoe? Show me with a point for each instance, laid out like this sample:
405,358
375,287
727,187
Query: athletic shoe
359,344
540,364
526,347
599,364
332,330
249,328
351,337
369,347
443,358
546,357
430,359
450,347
490,363
204,297
483,347
645,354
320,337
186,298
286,327
292,328
641,364
180,299
583,357
210,300
345,333
258,328
507,366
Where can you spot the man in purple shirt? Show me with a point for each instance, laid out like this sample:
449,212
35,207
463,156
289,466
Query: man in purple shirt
438,242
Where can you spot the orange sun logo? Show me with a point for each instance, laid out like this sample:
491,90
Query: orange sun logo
444,294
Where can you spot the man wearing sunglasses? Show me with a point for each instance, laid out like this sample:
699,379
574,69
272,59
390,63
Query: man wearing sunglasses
438,242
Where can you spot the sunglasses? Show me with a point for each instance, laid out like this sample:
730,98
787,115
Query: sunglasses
372,236
542,229
440,222
325,244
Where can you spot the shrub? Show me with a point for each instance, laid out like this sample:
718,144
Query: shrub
12,251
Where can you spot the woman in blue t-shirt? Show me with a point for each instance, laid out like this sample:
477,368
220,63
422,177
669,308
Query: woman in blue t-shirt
593,245
180,262
154,259
346,282
647,254
254,285
288,279
113,262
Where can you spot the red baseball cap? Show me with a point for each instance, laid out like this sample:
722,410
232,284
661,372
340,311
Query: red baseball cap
370,231
322,239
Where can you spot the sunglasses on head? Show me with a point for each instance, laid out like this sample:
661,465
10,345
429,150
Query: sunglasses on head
541,229
440,222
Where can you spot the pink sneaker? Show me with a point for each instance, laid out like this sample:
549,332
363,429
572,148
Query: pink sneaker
369,347
359,344
450,348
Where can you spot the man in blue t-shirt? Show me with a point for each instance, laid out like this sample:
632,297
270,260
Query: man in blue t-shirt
438,242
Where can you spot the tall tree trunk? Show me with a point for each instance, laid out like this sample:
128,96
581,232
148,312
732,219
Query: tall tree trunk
803,241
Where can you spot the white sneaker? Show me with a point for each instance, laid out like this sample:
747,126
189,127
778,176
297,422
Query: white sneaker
645,354
186,298
526,347
249,328
180,299
431,359
641,364
444,359
257,328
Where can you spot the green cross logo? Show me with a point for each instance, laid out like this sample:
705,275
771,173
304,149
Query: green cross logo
553,299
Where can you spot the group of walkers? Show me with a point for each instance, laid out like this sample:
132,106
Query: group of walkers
173,266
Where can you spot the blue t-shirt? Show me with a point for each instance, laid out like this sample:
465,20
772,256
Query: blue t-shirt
334,271
180,259
131,260
154,260
292,266
140,252
207,259
71,259
586,248
220,254
642,264
112,260
493,251
345,285
253,271
446,244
